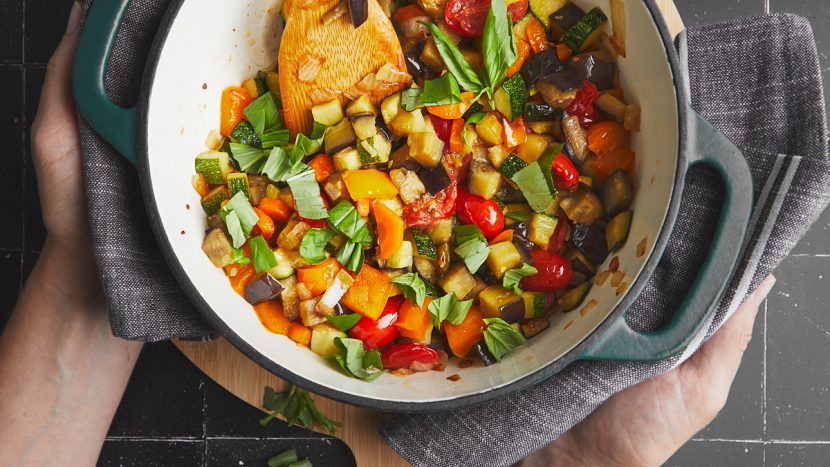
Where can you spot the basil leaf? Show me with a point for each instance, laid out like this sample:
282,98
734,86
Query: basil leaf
313,245
513,277
351,359
455,61
448,308
411,98
372,360
498,45
518,216
235,229
344,322
467,232
239,256
307,196
305,146
263,114
473,119
249,158
277,166
441,91
274,138
262,254
345,219
245,213
474,253
412,287
501,337
298,408
351,256
535,187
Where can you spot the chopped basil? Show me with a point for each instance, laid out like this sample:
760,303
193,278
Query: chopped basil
263,114
518,216
262,254
498,45
513,277
351,255
249,158
455,61
353,360
313,246
274,138
344,322
501,337
307,196
441,91
345,219
448,308
412,287
472,246
537,186
298,408
473,119
411,98
235,229
305,146
239,256
245,213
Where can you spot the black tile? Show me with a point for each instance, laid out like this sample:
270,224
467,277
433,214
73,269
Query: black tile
227,415
11,31
225,452
164,397
797,454
33,222
718,454
11,170
152,453
45,24
9,284
701,12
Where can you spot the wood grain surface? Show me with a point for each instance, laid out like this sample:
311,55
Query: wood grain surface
229,367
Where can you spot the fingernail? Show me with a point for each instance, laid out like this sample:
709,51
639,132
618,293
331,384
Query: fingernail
74,23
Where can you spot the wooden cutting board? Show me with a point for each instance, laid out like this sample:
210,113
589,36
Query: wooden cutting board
229,367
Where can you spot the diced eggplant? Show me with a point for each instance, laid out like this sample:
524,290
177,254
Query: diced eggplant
290,299
407,123
256,188
580,68
510,194
342,281
554,95
497,155
573,297
576,139
218,248
308,313
426,148
484,354
292,235
521,238
335,188
431,57
535,326
532,149
616,231
490,130
562,20
580,262
541,229
485,180
583,207
497,302
339,136
374,150
361,106
329,113
402,257
410,187
359,10
503,257
603,72
444,254
458,280
435,178
426,268
541,112
590,241
618,192
415,65
215,221
441,231
364,125
390,107
540,65
262,289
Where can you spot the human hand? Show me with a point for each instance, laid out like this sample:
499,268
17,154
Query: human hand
645,424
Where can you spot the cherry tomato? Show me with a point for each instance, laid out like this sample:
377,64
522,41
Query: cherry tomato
467,17
484,213
317,223
375,334
583,104
443,129
565,175
554,272
560,235
427,210
418,357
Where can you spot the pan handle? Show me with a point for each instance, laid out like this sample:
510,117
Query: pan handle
115,124
620,342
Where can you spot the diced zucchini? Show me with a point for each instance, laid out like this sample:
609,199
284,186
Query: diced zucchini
490,130
535,304
582,34
503,257
407,123
425,148
322,339
485,180
255,87
402,257
512,165
272,80
214,166
346,159
441,231
361,105
410,187
271,191
245,134
510,98
238,182
424,247
330,113
364,125
532,149
493,298
497,155
546,128
390,107
542,112
426,268
212,201
542,9
616,231
374,150
541,229
458,280
572,298
283,268
338,137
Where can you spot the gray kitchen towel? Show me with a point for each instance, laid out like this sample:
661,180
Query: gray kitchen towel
757,80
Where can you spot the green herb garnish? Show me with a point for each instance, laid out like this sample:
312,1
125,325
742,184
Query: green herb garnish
501,337
307,196
412,287
498,46
263,114
355,361
472,246
262,254
448,308
250,159
239,256
298,408
344,322
513,277
313,246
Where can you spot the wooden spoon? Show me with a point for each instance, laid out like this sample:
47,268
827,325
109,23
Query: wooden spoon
324,56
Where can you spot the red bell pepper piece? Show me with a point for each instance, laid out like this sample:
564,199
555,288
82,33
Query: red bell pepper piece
566,176
380,332
583,105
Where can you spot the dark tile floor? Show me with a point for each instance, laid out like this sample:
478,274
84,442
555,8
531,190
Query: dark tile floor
778,412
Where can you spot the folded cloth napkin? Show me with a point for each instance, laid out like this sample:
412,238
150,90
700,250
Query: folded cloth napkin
756,79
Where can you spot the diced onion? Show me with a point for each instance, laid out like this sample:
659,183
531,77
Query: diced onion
322,95
309,68
335,13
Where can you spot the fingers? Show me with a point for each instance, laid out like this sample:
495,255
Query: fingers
56,98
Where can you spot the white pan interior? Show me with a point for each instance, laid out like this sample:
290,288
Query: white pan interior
215,43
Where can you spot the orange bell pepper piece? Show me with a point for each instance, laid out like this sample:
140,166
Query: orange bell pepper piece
505,236
390,230
464,336
242,278
456,137
413,320
563,52
408,12
275,209
607,136
369,183
608,162
264,226
536,36
369,293
234,101
514,133
299,334
522,54
271,316
318,278
363,206
323,167
453,111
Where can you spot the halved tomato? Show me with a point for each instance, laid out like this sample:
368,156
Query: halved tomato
467,17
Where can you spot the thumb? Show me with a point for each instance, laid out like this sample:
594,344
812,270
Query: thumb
56,102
